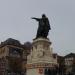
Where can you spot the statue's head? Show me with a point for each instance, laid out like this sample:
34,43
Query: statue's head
43,15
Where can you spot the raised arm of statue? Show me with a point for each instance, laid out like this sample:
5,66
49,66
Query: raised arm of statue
37,19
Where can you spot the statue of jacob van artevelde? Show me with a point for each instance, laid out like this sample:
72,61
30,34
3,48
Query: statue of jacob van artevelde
43,26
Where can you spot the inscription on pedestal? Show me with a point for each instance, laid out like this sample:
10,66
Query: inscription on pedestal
39,65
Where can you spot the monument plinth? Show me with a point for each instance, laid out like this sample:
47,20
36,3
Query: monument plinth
40,57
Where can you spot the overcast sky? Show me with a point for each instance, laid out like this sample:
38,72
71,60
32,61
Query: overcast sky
16,22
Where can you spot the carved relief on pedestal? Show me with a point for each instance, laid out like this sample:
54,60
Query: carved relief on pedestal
41,51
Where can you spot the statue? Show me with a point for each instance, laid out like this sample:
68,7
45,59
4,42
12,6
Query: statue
43,27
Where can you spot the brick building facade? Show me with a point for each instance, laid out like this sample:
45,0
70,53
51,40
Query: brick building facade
13,57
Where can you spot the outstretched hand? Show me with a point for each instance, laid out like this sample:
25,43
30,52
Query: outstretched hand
32,18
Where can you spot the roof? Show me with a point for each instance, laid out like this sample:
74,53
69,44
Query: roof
70,55
10,41
13,42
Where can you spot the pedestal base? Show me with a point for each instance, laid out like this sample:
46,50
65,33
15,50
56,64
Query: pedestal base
41,58
35,71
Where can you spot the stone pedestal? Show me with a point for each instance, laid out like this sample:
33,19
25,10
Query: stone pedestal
40,57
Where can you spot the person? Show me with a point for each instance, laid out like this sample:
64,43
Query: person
43,27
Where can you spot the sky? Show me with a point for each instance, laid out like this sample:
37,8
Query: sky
16,22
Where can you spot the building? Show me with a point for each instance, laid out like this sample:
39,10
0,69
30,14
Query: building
60,60
66,64
70,63
12,57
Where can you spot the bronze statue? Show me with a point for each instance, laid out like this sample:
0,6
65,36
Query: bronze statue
43,27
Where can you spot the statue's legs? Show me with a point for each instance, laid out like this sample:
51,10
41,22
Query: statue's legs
42,32
39,32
